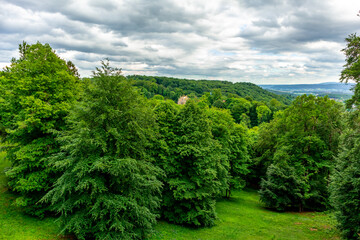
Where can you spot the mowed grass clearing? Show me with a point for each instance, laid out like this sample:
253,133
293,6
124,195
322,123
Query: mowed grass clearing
241,217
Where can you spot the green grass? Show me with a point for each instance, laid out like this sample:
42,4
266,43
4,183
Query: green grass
241,217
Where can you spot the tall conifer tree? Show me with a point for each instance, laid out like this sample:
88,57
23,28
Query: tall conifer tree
109,189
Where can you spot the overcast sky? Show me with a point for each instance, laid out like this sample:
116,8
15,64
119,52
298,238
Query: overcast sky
259,41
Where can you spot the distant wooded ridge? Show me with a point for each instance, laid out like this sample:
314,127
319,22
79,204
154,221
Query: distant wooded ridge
173,88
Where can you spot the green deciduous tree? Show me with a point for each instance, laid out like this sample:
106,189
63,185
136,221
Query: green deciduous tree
263,113
108,189
216,96
345,185
194,169
234,147
38,90
165,145
239,158
238,107
307,133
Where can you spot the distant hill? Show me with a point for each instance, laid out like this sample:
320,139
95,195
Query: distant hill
336,90
174,88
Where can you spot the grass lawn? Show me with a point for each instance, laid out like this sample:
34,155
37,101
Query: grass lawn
241,217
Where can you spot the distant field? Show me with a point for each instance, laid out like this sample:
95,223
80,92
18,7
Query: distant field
241,217
335,90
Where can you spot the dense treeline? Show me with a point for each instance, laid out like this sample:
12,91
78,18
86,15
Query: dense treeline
109,155
173,88
246,110
248,103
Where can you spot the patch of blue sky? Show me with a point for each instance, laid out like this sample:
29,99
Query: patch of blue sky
215,52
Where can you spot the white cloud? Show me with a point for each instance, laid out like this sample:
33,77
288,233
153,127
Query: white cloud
260,41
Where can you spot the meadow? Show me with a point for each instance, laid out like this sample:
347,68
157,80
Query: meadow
243,217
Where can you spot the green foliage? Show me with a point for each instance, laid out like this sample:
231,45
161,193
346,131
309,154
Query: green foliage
165,144
238,107
275,105
263,113
215,96
193,164
16,225
38,90
282,188
173,88
248,103
158,97
239,156
219,103
351,69
305,136
234,146
345,185
108,189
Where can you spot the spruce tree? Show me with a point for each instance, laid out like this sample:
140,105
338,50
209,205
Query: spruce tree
108,189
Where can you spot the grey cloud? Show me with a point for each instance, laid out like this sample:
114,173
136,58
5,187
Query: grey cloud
301,22
127,17
268,23
176,39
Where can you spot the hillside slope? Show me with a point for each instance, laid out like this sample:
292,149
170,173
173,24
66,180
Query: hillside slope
174,87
